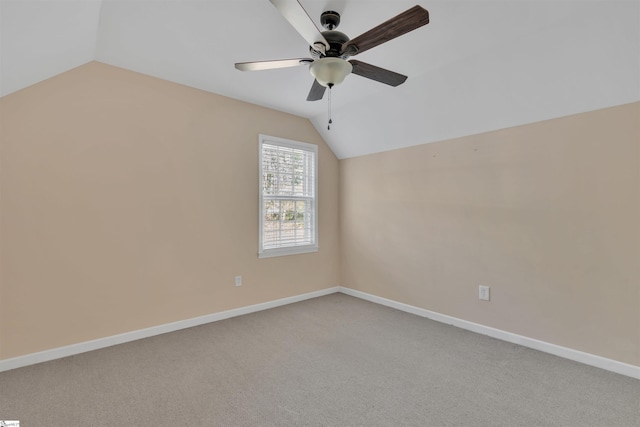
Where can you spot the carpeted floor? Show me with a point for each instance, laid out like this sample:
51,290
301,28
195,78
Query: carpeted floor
330,361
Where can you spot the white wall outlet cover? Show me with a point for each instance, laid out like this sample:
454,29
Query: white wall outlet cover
484,292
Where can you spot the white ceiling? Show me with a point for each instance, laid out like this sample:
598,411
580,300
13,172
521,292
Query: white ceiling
479,65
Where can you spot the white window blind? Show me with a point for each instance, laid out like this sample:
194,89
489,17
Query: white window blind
288,204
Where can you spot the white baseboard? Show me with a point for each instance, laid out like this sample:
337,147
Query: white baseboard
70,350
567,353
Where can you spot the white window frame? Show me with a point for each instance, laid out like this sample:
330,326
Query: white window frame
287,250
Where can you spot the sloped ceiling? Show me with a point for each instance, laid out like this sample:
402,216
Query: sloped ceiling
479,65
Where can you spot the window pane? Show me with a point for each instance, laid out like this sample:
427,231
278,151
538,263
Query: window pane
287,171
287,223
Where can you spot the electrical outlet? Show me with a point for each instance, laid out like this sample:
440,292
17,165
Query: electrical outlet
238,280
484,292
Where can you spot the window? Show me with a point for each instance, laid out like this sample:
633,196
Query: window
288,197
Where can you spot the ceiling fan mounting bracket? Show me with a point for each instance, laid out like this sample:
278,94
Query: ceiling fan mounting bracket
350,50
318,50
330,19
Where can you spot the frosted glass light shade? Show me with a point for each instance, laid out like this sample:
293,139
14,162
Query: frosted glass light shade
330,71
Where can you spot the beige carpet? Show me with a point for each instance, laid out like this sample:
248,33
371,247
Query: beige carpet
330,361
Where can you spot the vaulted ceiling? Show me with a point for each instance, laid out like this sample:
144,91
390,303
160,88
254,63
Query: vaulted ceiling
479,65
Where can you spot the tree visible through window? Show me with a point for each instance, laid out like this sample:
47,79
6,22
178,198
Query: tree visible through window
288,205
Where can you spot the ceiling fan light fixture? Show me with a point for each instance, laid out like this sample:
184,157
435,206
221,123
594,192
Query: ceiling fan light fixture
330,71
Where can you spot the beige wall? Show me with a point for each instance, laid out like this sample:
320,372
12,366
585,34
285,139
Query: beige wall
129,201
546,214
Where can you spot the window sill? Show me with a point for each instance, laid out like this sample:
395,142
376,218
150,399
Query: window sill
270,253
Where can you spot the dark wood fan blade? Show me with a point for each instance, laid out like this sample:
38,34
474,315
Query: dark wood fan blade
299,19
407,21
376,73
317,92
268,65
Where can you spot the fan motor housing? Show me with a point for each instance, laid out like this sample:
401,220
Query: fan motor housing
336,39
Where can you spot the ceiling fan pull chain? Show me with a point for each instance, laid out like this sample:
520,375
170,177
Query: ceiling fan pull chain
330,121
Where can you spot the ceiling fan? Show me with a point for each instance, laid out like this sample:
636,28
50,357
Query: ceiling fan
330,50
